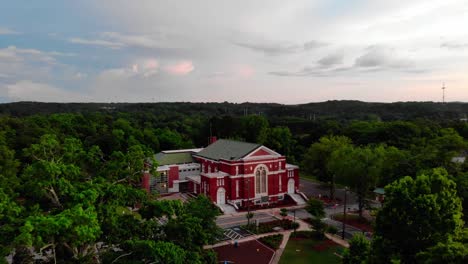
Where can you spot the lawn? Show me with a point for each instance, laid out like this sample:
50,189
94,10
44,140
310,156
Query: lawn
307,250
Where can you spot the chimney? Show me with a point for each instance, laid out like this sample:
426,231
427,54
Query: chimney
212,140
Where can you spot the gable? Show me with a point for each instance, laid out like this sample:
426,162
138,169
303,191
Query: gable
260,152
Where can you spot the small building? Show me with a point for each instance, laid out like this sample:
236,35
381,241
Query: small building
379,194
227,171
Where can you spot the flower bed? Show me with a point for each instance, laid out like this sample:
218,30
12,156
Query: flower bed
273,241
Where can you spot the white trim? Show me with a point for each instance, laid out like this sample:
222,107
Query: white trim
272,153
282,158
182,150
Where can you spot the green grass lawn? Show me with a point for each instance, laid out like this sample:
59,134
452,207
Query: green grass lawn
302,251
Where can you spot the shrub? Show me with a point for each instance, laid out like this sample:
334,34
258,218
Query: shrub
273,241
332,230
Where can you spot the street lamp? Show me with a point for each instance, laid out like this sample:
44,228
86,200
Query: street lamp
248,202
344,213
294,221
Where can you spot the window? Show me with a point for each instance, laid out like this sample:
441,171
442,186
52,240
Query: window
260,180
237,188
280,184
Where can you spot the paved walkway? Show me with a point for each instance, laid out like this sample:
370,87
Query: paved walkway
303,226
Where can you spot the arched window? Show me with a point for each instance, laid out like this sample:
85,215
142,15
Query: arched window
260,180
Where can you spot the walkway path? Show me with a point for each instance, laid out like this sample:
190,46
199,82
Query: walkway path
303,226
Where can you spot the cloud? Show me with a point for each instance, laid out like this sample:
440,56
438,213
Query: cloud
374,59
116,40
7,31
96,42
454,45
180,68
379,57
27,90
331,60
274,49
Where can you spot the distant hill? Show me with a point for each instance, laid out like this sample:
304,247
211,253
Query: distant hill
341,110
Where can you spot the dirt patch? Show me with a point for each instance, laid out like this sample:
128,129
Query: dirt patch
246,252
324,245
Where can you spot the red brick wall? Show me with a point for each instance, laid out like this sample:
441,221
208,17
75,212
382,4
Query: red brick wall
145,181
173,175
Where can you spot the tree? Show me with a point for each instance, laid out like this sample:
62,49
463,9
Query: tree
315,208
318,156
255,128
358,168
9,220
280,139
284,212
417,215
358,252
448,252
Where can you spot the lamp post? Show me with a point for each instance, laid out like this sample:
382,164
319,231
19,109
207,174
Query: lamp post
248,202
294,221
344,213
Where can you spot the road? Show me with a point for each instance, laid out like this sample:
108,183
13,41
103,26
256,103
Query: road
313,189
226,222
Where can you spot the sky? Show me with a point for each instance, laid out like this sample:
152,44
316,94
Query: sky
288,52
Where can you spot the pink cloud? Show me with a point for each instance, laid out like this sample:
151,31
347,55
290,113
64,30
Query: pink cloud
151,64
181,68
245,71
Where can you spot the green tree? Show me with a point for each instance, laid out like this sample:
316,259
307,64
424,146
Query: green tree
255,128
359,168
417,215
448,252
315,208
358,252
318,156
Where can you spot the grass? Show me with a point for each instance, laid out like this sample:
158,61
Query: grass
304,250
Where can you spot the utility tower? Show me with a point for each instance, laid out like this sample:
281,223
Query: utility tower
443,93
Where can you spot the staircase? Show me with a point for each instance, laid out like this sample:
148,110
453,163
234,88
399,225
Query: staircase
297,198
227,208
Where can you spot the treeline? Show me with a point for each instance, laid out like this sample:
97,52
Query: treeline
333,110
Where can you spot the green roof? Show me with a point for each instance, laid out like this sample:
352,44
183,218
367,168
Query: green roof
380,191
227,149
173,158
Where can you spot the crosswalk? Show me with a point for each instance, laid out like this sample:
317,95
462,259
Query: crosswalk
232,234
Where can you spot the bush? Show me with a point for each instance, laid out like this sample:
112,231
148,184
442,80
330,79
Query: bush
331,229
273,241
294,225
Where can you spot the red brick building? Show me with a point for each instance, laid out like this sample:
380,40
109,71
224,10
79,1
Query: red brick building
227,171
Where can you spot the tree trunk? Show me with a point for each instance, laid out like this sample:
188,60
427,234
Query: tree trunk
332,188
